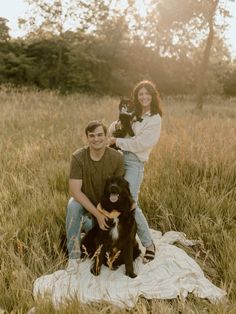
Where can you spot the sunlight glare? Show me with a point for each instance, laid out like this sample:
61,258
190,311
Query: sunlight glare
141,5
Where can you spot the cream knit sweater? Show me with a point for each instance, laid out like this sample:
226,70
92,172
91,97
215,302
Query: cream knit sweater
147,134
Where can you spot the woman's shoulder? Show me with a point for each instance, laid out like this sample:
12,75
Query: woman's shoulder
153,119
156,116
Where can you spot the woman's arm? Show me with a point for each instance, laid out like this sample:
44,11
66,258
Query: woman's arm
113,127
147,138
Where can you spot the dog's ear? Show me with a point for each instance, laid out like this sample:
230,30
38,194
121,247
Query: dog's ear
124,99
106,185
126,184
121,102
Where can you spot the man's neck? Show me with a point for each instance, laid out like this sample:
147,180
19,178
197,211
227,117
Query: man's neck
96,155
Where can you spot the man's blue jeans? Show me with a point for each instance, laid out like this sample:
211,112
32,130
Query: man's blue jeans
77,220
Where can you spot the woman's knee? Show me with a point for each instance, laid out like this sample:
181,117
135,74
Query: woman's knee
139,217
135,179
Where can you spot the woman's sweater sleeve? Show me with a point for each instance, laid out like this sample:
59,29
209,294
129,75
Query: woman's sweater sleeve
112,128
143,141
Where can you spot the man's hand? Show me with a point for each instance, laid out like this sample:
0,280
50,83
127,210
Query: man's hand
102,221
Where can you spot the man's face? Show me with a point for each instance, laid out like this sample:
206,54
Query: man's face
97,139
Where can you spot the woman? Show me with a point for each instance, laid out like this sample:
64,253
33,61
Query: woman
136,150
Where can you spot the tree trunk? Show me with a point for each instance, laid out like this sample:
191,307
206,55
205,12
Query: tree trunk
59,64
205,60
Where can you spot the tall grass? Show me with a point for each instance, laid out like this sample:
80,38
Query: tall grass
189,186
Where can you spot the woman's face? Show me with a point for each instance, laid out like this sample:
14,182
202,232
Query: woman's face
144,98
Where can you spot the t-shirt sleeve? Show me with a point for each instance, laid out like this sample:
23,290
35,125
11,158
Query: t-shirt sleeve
120,170
76,170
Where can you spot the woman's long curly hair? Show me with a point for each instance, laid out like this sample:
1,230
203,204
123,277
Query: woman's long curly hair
156,101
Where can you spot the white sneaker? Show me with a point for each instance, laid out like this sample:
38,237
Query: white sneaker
73,265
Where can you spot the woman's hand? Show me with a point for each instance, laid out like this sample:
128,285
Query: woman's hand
118,125
112,140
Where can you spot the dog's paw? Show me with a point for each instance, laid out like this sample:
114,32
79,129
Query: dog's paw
131,275
95,270
114,267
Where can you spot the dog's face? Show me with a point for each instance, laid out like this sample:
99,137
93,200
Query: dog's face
116,189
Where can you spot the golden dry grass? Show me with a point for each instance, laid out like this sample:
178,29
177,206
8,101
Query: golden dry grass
189,186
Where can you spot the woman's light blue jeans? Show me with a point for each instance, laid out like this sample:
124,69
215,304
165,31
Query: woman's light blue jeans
134,170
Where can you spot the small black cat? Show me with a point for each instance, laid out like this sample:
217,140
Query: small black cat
126,115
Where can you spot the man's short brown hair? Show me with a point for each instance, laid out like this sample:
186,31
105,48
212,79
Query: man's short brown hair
92,125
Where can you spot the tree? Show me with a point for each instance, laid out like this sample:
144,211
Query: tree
177,27
46,20
4,30
15,66
230,80
211,7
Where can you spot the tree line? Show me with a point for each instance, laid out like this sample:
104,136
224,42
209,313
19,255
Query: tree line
178,44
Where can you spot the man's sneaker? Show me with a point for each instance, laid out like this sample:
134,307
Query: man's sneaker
73,265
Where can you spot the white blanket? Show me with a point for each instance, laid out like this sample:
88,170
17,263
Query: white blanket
171,274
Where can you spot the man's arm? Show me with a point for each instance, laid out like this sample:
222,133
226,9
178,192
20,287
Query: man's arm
75,186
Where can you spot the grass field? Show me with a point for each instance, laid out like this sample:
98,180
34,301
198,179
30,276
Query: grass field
189,186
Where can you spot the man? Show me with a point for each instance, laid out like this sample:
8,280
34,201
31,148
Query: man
90,167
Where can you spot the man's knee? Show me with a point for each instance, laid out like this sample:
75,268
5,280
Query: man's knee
74,208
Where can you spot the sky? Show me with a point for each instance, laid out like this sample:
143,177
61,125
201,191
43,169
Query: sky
13,9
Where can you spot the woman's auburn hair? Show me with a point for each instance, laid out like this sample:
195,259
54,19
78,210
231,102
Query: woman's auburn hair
156,100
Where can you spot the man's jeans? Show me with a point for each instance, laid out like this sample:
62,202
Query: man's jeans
77,218
134,170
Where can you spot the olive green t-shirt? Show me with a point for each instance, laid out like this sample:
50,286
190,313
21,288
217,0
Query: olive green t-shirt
94,173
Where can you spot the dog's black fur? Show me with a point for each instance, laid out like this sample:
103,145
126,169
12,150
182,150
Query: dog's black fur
126,225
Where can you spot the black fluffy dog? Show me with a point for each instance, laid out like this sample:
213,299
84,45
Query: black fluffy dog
117,245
